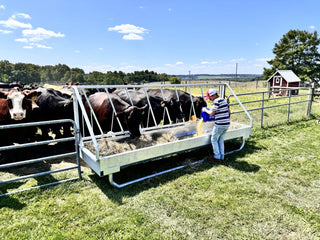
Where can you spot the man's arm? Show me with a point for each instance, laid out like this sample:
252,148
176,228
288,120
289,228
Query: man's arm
210,112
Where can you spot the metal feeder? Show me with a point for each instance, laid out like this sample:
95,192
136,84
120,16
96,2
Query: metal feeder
185,132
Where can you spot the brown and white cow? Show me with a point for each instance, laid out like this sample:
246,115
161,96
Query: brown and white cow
18,103
16,107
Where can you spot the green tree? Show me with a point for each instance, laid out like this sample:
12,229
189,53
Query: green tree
297,51
175,80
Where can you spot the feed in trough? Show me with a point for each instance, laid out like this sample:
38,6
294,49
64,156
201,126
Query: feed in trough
109,146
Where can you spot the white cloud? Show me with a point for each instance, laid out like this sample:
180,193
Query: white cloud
179,63
77,51
128,28
101,49
2,7
312,27
39,34
42,46
5,31
28,47
208,63
132,36
25,40
21,15
238,60
14,24
131,32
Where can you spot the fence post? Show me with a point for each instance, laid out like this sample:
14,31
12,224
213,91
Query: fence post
262,106
310,101
289,102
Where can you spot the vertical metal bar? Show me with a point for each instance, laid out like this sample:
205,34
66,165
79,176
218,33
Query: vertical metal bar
289,103
165,108
90,126
262,107
94,140
150,108
191,100
76,128
114,110
310,102
76,144
129,96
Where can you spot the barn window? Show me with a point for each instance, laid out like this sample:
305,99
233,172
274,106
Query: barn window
277,79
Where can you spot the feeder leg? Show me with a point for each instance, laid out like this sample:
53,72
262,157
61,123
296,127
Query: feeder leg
242,145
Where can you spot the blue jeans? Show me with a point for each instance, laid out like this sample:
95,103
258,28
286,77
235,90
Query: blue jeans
217,140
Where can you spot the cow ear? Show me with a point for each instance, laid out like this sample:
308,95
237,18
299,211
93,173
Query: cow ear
33,95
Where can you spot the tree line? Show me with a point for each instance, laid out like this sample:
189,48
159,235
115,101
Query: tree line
28,73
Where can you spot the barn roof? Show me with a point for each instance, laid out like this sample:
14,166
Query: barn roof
288,75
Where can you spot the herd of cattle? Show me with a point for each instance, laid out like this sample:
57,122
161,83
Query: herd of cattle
132,108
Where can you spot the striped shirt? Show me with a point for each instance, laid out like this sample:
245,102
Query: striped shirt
220,106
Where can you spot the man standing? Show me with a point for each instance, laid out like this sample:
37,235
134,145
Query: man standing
221,110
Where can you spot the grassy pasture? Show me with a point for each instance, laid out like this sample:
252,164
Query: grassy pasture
269,190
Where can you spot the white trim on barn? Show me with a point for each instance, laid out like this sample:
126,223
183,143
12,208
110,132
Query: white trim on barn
289,75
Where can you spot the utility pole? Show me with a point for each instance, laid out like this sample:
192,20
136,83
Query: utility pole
236,74
236,70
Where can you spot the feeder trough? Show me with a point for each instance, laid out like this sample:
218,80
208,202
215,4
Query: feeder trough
180,136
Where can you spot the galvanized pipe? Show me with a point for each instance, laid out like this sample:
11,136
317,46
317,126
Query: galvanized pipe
149,176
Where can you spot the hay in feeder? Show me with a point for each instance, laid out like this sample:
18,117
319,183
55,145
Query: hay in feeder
109,147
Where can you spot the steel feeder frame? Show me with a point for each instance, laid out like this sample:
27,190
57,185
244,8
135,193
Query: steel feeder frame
108,165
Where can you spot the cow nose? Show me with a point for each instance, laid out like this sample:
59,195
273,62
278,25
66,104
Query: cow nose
18,116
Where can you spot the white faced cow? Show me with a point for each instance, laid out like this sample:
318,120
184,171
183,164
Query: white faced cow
16,107
18,102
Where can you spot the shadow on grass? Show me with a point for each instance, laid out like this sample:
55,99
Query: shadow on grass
11,202
152,167
17,155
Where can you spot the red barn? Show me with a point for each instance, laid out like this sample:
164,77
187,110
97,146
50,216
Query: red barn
283,79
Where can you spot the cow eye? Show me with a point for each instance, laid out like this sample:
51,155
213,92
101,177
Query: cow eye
10,103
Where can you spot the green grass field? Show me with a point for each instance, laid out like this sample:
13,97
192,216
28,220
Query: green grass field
268,190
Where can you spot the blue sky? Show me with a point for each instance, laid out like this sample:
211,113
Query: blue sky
167,36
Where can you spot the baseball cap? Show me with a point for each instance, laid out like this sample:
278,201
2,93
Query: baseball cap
211,92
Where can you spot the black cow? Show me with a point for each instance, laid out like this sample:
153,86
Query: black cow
130,116
138,98
187,101
53,106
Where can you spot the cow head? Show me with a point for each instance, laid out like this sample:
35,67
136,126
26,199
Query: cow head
199,103
133,116
19,102
174,107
